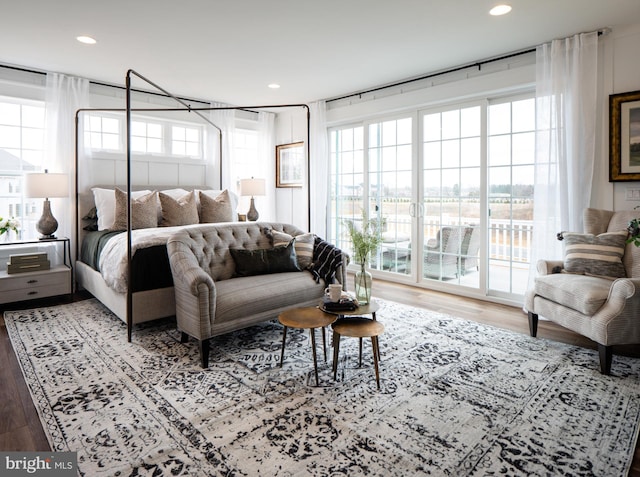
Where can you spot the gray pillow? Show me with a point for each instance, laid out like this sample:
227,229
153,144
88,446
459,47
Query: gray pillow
144,211
216,210
264,261
182,211
599,255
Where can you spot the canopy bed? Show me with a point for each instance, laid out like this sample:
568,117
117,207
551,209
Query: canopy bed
132,235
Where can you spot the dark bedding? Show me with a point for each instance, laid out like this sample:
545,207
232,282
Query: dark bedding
149,266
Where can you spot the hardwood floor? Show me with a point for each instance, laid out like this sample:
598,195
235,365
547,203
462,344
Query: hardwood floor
20,427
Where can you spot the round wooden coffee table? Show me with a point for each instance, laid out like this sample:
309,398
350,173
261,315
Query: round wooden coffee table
312,318
357,327
368,309
351,323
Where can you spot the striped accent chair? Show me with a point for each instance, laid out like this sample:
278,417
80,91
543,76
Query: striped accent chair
605,309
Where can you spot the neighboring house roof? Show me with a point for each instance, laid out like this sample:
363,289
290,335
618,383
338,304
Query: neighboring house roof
10,164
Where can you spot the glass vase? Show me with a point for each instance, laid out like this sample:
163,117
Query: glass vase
363,282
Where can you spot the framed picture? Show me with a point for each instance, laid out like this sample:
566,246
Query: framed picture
290,165
624,137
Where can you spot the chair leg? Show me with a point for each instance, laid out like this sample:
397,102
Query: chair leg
204,353
606,356
533,324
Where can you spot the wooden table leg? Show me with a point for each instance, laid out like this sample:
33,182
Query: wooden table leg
376,351
284,340
336,349
315,358
324,344
360,356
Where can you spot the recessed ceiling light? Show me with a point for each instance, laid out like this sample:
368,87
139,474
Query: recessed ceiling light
274,86
500,10
86,40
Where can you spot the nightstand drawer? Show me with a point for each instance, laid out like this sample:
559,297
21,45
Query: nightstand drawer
31,285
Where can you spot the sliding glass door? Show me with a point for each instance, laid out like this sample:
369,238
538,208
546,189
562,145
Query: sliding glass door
376,181
452,197
391,191
454,186
510,167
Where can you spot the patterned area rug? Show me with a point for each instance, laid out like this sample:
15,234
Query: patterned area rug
457,398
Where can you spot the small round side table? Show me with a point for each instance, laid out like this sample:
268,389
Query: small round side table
357,327
309,317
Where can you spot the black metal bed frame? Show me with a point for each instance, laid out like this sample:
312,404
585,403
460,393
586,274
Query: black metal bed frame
184,107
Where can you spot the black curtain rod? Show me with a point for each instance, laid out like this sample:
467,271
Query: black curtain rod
100,83
477,64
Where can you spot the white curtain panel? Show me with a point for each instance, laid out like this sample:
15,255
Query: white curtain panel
566,103
225,120
64,96
266,149
319,168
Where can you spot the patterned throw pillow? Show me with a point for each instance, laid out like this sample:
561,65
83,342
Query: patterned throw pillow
178,211
144,211
302,243
105,200
599,255
214,210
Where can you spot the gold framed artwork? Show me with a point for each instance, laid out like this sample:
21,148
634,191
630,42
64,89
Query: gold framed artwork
624,137
290,165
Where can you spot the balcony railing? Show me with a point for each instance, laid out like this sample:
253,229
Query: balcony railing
509,240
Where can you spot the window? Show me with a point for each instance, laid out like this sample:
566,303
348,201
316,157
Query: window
103,132
185,141
106,132
346,182
22,130
245,163
510,161
146,137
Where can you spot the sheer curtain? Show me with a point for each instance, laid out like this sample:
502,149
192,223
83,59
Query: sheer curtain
566,104
64,96
267,160
225,120
319,168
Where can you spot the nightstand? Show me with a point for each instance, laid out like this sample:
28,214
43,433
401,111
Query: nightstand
57,280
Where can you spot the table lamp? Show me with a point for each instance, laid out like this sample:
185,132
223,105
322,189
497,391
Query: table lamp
252,187
45,185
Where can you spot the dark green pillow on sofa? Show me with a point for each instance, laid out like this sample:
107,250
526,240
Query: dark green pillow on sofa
264,261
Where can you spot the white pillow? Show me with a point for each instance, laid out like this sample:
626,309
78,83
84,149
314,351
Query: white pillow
105,200
175,193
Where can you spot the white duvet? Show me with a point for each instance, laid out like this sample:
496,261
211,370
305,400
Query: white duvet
113,259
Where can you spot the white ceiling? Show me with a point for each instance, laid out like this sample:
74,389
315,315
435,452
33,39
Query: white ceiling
229,50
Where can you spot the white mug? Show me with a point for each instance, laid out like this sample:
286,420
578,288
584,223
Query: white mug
334,292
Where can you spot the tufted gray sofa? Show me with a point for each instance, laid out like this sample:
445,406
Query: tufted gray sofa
211,300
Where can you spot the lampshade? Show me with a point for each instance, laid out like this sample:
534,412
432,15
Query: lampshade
252,187
46,185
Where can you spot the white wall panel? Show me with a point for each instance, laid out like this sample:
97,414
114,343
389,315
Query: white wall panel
139,173
190,174
163,173
102,171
